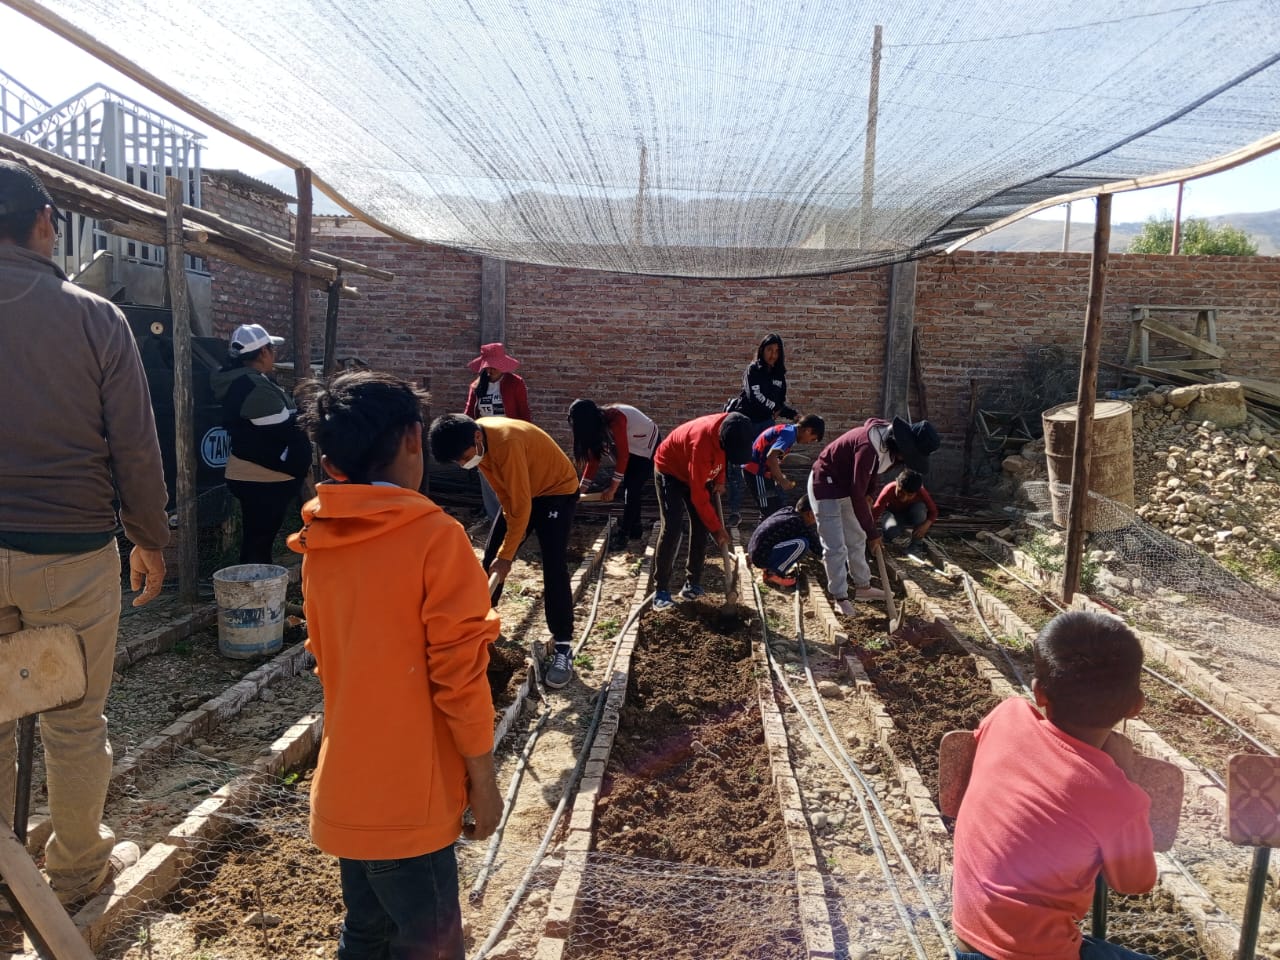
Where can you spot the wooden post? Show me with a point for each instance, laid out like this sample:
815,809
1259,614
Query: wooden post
331,328
869,149
898,328
493,300
301,287
969,427
1066,230
184,446
1078,506
917,377
1176,245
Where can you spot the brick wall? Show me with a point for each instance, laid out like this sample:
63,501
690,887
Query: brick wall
677,347
241,295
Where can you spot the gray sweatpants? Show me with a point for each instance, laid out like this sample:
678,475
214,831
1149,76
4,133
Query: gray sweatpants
844,544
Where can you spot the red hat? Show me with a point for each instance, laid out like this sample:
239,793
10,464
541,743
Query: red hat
494,355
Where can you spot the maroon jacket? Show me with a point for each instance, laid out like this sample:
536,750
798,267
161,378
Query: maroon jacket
846,467
515,398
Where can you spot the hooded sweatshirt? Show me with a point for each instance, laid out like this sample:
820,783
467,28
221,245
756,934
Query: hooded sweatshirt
764,388
262,422
694,455
847,465
399,621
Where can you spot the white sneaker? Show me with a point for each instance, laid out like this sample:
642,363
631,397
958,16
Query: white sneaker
844,607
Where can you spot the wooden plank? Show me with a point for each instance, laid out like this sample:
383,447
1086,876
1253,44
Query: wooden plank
49,922
43,668
331,328
1182,336
1184,364
895,387
493,300
917,375
184,443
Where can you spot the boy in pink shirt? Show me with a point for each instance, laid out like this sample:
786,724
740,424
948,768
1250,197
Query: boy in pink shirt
1050,804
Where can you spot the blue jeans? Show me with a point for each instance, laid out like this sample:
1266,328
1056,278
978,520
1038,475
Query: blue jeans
897,524
401,909
1090,949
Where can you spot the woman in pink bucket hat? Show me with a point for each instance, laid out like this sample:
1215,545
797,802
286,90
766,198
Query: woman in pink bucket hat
497,392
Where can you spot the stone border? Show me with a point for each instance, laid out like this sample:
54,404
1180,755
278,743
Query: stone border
934,836
811,893
159,639
199,722
1181,663
563,905
1219,935
593,560
164,864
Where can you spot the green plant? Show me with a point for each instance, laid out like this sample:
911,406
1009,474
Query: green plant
1049,557
583,661
289,779
1197,237
1270,560
182,647
607,627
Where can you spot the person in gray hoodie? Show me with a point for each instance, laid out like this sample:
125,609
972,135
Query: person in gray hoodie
77,435
270,452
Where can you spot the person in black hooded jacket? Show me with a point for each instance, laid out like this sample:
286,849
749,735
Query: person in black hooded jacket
763,398
270,452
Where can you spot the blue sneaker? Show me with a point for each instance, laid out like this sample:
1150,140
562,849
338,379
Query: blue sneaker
692,591
662,600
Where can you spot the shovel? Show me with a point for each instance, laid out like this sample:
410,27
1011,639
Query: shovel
730,568
591,498
894,620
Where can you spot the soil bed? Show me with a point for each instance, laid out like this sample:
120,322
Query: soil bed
929,686
688,782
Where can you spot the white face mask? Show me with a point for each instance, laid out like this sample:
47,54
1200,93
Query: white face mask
473,462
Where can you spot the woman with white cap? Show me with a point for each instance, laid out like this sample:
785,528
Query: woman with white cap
270,452
498,391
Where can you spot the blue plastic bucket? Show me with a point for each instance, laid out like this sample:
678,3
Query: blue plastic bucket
251,602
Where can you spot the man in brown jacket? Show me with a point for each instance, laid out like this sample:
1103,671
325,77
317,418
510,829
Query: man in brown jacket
76,433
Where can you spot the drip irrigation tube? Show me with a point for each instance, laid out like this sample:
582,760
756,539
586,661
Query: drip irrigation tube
508,802
576,774
862,791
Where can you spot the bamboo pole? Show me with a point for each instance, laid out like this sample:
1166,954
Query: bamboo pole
301,288
183,405
869,148
1078,506
1176,245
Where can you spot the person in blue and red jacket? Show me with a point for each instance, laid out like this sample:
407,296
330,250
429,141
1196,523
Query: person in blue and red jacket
688,466
839,486
764,469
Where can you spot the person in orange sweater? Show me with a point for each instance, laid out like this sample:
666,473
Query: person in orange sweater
399,621
537,487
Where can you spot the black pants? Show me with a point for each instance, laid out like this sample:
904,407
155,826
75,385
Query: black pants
262,507
550,519
674,502
638,472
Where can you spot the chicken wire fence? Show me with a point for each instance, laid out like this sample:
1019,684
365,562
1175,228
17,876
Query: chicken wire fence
725,138
1174,586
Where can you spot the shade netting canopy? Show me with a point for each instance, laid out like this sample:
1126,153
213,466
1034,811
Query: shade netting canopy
706,137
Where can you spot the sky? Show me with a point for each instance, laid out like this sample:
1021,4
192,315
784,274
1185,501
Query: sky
56,69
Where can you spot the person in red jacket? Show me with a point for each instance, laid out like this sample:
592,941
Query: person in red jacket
498,391
904,507
400,623
839,486
631,438
688,466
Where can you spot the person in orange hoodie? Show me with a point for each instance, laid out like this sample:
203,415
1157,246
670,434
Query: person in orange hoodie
399,621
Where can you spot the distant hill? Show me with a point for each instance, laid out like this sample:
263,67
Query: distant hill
1029,234
1024,235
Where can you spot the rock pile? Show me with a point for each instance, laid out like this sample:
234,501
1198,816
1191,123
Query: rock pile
1205,471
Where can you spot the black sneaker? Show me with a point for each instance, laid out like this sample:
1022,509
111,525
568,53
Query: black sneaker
561,670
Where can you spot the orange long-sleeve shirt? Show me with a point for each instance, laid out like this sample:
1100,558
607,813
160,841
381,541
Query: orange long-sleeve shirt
399,621
521,462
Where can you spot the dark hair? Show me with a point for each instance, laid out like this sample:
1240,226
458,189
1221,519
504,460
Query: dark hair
802,504
482,382
815,423
779,368
358,419
910,480
1089,666
235,360
590,437
18,226
450,435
